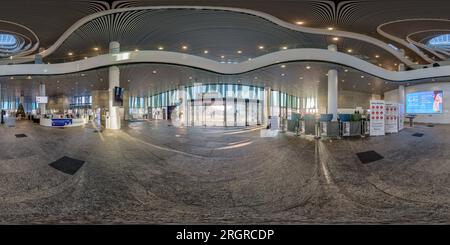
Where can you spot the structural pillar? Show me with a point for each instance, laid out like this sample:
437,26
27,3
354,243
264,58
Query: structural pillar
113,119
401,95
333,88
42,106
266,105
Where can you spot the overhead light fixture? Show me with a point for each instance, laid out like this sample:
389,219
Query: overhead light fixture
205,51
362,76
377,56
70,53
260,47
96,49
301,78
184,47
335,38
239,51
284,47
300,22
85,58
330,28
154,72
349,50
346,70
222,56
12,78
282,74
160,48
136,50
283,66
308,67
29,77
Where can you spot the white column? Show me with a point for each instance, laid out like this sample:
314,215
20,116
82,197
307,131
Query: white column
42,107
114,81
332,88
266,105
401,95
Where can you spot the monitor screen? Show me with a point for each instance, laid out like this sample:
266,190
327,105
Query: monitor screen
118,96
427,102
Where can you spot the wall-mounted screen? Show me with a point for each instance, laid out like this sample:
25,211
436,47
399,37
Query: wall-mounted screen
41,99
118,96
428,102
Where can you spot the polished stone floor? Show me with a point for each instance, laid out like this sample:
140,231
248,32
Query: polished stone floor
152,172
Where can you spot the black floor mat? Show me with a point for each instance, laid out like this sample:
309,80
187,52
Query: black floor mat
21,135
369,156
67,165
430,126
418,135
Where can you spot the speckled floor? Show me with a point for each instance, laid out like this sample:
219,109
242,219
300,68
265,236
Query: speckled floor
153,173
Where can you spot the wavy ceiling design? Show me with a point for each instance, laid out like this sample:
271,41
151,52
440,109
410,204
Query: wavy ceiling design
315,31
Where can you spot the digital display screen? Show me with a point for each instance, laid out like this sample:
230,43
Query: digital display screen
428,102
118,96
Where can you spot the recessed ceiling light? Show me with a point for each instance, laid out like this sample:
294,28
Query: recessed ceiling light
377,56
284,47
11,78
154,72
362,76
205,51
282,74
335,38
308,67
345,70
184,47
96,49
29,77
349,50
222,56
70,53
283,66
239,52
300,22
260,47
330,28
160,48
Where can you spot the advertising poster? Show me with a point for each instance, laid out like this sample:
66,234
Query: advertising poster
377,115
392,117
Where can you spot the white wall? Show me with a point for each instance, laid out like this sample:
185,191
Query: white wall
444,118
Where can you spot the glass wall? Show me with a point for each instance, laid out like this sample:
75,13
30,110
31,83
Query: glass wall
220,105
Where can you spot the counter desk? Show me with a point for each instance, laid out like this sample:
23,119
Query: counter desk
62,122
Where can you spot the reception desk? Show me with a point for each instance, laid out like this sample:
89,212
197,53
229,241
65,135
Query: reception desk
62,122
